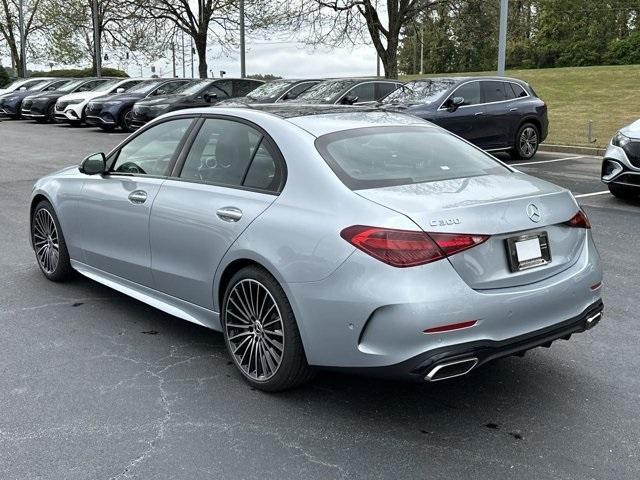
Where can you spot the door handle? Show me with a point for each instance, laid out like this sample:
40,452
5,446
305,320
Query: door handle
138,197
229,214
513,109
478,114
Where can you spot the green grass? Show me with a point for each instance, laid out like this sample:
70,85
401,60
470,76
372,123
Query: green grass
608,95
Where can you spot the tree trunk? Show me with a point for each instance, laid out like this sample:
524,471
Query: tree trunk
201,47
390,59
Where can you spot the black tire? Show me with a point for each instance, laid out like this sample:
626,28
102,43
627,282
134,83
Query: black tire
51,114
62,270
107,128
526,143
624,192
124,121
293,369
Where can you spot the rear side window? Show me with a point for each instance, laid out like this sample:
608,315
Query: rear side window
379,157
232,153
299,89
514,91
243,87
493,92
385,88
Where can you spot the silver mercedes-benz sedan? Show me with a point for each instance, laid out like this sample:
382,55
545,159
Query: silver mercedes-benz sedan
331,237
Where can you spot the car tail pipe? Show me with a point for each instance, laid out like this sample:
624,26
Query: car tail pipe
451,369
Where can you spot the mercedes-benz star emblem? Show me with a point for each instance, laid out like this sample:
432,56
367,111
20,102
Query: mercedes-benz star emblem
533,212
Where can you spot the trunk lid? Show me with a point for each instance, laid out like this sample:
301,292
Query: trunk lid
494,205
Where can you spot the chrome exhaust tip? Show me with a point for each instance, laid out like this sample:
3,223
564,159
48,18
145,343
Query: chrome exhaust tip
593,319
447,370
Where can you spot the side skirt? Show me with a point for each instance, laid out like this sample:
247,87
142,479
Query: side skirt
168,304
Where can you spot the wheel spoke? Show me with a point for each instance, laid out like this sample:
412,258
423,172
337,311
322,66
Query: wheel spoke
256,336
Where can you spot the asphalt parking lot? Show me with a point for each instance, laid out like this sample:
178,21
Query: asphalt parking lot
95,385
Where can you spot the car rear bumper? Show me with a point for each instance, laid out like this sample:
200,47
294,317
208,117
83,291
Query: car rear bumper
369,315
421,367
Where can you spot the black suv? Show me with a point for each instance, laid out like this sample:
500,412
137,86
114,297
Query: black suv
494,113
199,93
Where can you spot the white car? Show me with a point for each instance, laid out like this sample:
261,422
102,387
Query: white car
71,108
24,84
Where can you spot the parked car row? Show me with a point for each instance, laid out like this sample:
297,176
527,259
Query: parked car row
494,113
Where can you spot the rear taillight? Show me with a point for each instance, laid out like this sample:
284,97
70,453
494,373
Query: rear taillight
579,220
408,248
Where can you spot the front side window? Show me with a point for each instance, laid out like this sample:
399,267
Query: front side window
365,92
223,89
169,88
493,91
231,153
299,89
470,92
151,152
377,157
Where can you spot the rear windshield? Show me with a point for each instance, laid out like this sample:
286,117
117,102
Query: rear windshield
378,157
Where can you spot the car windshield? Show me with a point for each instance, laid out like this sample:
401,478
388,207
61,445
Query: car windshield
376,157
107,86
71,86
145,87
38,86
324,92
270,89
421,91
192,88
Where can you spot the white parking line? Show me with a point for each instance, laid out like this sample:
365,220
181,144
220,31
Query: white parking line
582,195
548,161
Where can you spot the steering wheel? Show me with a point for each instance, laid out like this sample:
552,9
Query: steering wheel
130,167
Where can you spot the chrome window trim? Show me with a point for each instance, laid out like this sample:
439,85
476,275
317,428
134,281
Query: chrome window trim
441,107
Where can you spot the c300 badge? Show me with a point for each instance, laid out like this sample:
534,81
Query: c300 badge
444,222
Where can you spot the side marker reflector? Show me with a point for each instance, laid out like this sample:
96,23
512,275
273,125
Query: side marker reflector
451,327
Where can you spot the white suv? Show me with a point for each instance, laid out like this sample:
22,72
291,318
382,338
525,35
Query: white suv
70,108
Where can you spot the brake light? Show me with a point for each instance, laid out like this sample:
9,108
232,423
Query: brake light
579,220
408,248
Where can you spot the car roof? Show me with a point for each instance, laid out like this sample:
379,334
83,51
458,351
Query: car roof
460,79
316,119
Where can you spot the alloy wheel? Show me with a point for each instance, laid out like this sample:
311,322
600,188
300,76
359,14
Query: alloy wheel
254,329
46,241
128,120
528,141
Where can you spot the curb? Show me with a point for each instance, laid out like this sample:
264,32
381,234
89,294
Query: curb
596,152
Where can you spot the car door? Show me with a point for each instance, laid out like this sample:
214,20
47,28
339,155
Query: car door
516,107
467,120
114,208
231,174
496,114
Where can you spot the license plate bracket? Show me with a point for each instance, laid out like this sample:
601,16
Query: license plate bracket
528,251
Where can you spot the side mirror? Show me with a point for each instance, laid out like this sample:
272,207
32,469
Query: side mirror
210,97
454,103
120,90
94,164
349,100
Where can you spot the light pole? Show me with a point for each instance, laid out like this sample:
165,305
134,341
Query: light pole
502,41
22,71
96,38
243,72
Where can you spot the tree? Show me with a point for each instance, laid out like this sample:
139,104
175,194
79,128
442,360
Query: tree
4,76
120,27
339,21
9,28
